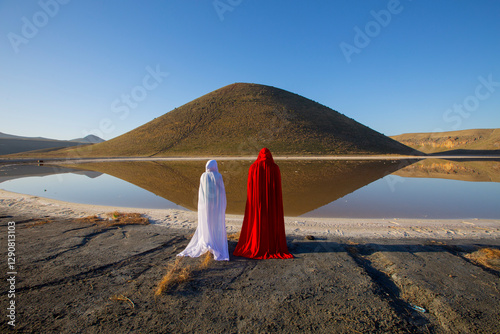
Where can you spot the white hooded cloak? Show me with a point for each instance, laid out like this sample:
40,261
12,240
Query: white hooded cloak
211,233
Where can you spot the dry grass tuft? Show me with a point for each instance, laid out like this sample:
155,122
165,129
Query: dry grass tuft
90,220
233,236
38,222
119,218
206,261
176,274
487,257
115,219
122,298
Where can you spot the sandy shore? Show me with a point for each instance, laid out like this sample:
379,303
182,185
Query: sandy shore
396,228
354,276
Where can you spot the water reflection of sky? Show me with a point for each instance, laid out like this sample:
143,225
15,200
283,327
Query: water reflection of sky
77,188
399,197
388,197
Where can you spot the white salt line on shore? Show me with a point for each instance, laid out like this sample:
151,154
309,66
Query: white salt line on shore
250,158
19,204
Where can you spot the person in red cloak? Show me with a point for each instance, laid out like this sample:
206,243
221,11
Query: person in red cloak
263,232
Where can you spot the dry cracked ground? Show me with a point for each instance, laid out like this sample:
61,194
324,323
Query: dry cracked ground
81,277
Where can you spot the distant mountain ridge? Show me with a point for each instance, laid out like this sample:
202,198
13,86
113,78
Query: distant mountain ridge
8,136
10,144
463,140
240,119
90,139
86,139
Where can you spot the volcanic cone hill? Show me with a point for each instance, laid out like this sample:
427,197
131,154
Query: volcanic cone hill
240,119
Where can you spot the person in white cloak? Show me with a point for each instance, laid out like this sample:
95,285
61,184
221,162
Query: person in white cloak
211,233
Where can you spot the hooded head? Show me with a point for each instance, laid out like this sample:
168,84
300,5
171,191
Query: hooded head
265,155
211,166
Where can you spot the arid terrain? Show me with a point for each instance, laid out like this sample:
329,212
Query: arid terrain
96,275
473,141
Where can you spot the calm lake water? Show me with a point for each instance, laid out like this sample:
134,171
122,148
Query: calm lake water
429,188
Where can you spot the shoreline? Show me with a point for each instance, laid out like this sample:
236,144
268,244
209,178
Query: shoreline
18,204
55,160
347,275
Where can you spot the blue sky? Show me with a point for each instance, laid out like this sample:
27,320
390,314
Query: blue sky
70,68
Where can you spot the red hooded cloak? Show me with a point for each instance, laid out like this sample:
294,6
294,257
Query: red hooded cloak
263,232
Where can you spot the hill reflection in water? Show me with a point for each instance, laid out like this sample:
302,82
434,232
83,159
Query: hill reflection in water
462,170
307,185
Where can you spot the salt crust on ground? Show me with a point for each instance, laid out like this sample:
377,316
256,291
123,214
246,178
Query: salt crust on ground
391,228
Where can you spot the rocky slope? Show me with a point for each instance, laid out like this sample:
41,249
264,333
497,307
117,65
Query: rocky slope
433,142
